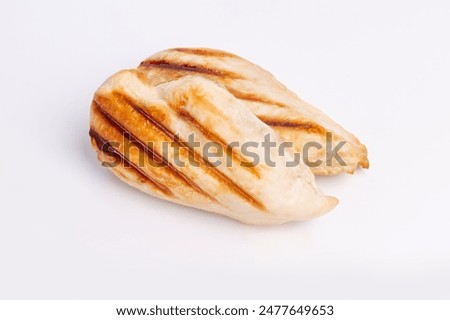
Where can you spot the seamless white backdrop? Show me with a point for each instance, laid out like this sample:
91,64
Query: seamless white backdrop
69,229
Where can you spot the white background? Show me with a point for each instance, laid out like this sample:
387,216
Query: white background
70,229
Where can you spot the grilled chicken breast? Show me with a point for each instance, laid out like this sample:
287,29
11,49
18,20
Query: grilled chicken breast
141,126
257,90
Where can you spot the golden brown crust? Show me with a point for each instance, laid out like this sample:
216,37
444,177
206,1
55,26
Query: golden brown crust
105,147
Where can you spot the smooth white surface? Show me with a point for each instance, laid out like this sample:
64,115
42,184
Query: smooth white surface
70,229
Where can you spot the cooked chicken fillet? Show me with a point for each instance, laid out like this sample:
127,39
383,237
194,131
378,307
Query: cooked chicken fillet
290,117
131,117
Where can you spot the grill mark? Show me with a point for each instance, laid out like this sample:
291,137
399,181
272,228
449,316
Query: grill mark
304,126
98,107
188,67
105,147
151,153
119,96
215,138
206,52
254,97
